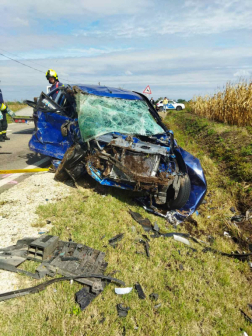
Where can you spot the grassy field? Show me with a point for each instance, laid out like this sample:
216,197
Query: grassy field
200,293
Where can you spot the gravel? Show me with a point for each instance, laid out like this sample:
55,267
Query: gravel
17,214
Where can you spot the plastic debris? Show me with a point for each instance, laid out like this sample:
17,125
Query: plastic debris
121,291
242,257
156,227
146,246
232,209
84,298
247,318
153,296
237,218
140,291
181,239
122,311
157,306
226,234
114,241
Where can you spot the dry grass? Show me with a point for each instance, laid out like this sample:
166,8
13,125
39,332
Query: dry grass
16,106
232,106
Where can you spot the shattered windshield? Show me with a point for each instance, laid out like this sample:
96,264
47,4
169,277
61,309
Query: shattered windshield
100,115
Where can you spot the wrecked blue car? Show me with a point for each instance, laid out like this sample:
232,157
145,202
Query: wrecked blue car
118,138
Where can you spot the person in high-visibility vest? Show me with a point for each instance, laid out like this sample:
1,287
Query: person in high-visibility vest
3,119
165,104
53,79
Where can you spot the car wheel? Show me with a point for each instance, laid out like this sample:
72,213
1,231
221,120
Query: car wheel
178,108
183,195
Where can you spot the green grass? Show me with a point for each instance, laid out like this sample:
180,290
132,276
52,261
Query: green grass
202,299
229,146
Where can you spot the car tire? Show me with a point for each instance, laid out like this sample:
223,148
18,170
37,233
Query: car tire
178,108
183,195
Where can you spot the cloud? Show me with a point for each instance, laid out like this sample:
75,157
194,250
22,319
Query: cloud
76,10
176,73
198,18
242,73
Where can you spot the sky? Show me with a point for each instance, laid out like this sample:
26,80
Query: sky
179,48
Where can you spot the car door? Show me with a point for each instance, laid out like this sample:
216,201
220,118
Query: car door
48,138
171,105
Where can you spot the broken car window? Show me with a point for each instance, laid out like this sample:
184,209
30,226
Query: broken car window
100,115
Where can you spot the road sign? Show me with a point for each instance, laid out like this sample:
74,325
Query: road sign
147,90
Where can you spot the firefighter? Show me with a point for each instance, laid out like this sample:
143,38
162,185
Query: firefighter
3,119
53,79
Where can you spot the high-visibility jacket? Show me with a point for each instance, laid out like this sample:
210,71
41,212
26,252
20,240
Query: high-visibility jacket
2,105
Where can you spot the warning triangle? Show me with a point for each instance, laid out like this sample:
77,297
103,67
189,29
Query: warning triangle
147,90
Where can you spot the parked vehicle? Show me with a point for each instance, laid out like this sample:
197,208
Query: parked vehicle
172,105
118,138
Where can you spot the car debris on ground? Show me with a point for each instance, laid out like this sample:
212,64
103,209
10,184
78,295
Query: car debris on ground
73,260
122,310
140,291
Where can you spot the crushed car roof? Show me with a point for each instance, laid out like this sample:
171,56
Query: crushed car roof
107,91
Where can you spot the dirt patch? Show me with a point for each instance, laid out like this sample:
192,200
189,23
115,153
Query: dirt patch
18,214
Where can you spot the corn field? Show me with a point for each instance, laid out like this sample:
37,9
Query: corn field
232,106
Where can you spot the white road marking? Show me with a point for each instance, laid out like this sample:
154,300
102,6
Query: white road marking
14,176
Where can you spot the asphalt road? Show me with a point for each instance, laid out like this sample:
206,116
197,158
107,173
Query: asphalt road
25,112
15,154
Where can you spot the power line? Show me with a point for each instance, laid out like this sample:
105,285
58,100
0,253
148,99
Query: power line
12,59
28,66
21,63
28,60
